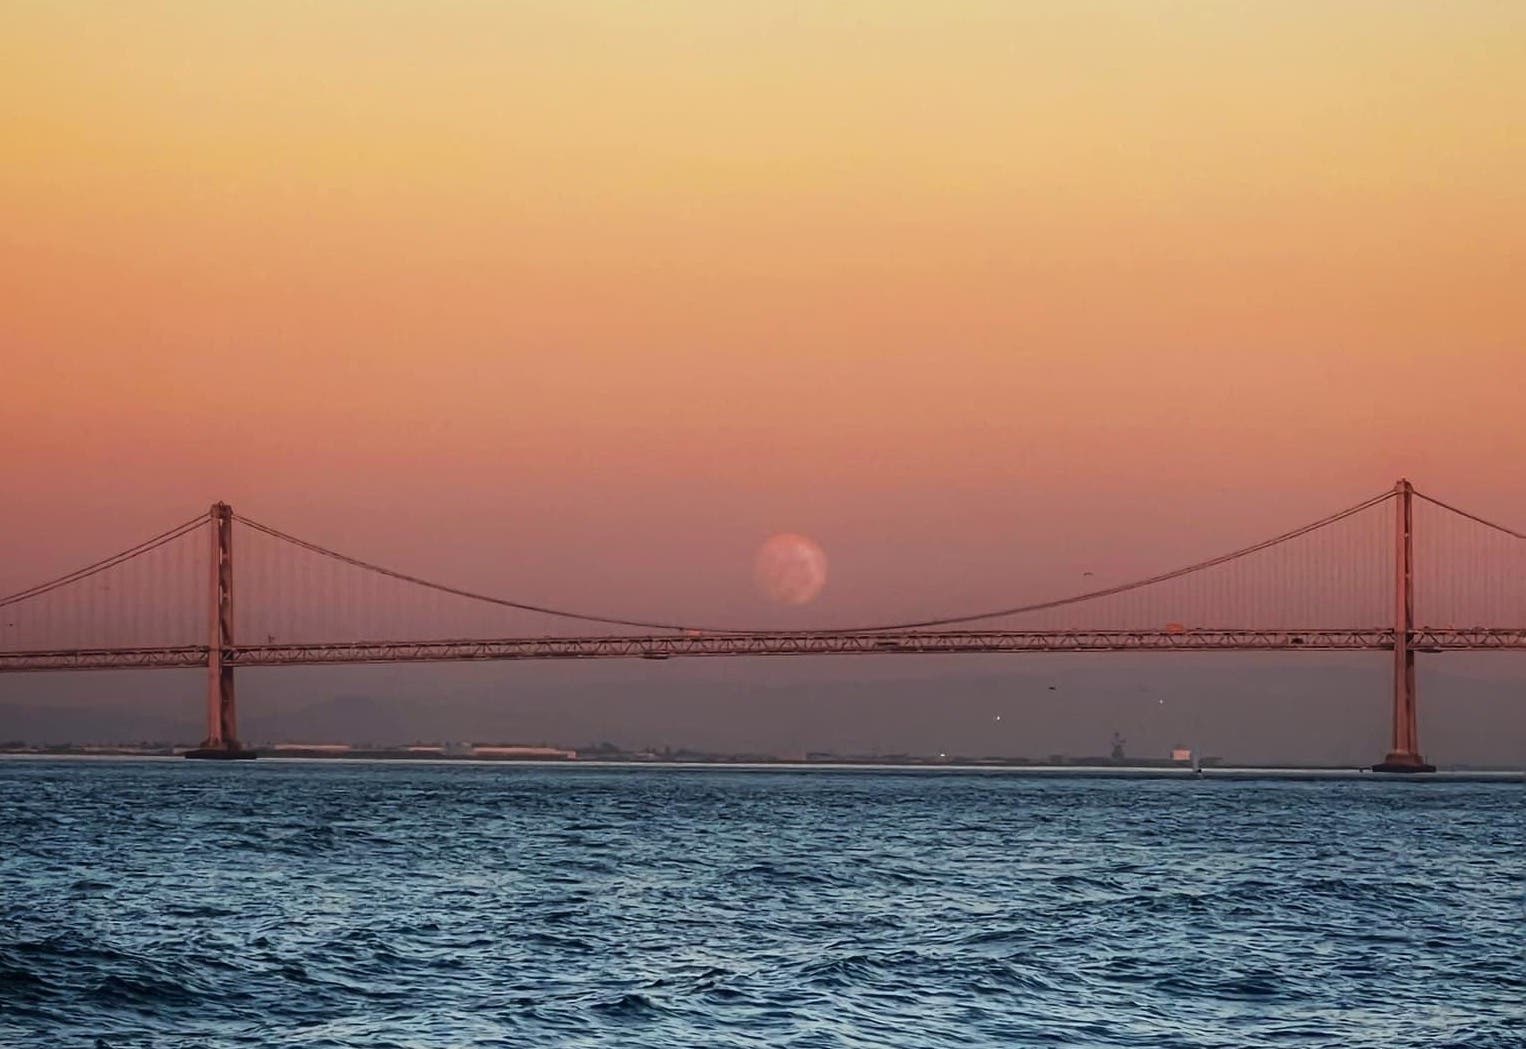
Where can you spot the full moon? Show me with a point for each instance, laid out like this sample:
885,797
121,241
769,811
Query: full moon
790,569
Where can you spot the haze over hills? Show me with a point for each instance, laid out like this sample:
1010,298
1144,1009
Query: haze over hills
1312,708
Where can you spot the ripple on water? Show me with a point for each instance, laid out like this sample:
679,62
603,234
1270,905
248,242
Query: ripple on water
367,906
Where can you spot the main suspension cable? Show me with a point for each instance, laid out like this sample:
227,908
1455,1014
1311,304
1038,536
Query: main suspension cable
522,606
1138,584
109,562
869,629
1471,517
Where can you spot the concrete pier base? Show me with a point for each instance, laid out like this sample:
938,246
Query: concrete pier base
1403,761
221,754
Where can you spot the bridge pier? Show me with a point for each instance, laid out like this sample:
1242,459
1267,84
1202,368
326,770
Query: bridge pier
1404,755
222,712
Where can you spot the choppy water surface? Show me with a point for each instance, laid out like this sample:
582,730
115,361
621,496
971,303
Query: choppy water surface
336,904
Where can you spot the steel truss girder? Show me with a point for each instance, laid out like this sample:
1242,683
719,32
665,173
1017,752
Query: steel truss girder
147,658
670,646
1466,639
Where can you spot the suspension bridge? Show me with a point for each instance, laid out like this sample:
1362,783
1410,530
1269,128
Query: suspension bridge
1401,572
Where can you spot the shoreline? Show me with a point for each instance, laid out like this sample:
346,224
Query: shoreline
1220,772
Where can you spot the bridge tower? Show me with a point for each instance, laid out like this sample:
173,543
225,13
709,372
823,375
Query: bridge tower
222,712
1404,755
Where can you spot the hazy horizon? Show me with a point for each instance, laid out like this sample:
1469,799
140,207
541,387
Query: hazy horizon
1318,708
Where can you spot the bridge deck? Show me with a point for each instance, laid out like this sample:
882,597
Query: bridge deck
668,646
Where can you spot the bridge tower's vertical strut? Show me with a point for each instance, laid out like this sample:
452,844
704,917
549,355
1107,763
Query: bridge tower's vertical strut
222,711
1404,756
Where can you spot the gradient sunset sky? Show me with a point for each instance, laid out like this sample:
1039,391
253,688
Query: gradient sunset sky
580,302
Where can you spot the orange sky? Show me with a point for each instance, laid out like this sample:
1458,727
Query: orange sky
609,292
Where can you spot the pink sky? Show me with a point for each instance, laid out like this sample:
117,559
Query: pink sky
583,305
